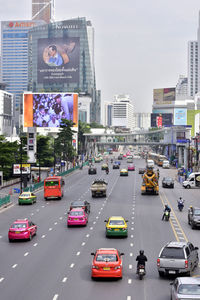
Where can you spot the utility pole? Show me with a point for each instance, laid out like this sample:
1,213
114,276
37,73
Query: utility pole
21,178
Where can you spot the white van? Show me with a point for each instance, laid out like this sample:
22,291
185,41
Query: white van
150,163
165,164
193,181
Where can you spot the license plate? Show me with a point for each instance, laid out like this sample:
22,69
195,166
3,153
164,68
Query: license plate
116,229
172,272
106,269
141,270
75,219
17,231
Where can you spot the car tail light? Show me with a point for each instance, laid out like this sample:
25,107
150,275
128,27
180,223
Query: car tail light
109,228
118,267
186,263
81,219
158,262
95,267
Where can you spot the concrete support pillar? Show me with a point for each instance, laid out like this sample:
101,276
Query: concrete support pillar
180,156
185,158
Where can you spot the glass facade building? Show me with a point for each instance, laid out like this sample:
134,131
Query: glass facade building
14,57
61,60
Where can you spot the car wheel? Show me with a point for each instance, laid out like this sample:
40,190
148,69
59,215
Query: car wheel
161,274
30,237
193,226
188,186
188,273
188,222
10,240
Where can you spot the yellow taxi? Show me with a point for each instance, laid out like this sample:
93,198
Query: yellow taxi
123,172
27,198
116,226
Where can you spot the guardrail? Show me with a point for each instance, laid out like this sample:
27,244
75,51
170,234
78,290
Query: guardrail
4,200
38,185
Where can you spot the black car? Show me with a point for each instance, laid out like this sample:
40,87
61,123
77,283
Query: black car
81,204
120,157
92,170
115,166
194,216
141,170
168,182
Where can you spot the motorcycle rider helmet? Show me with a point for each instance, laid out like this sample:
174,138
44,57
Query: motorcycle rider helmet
141,252
166,205
180,198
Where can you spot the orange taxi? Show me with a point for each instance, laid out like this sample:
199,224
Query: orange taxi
107,262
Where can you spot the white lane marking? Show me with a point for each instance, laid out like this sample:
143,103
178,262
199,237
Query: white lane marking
132,217
133,212
132,223
50,229
97,217
83,244
25,254
55,223
132,228
87,235
47,203
131,236
43,236
35,244
55,297
14,266
131,244
91,228
32,214
131,254
42,206
64,279
128,298
103,204
181,238
61,218
71,266
1,279
78,253
101,208
130,267
37,209
94,222
129,281
99,212
0,236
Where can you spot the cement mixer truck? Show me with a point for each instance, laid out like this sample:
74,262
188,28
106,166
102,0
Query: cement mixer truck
150,182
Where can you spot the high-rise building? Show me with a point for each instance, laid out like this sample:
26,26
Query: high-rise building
123,112
14,58
43,10
198,38
142,120
6,113
108,111
182,88
192,68
61,58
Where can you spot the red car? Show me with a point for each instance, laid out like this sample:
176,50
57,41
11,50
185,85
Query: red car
131,167
77,216
107,262
22,229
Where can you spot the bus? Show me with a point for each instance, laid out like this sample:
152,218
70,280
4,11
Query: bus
53,187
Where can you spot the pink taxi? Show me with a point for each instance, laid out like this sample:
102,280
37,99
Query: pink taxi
77,216
22,229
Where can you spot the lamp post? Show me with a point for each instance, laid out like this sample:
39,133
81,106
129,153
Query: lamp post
21,178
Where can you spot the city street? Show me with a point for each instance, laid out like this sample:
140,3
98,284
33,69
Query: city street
56,263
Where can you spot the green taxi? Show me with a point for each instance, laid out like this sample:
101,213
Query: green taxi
123,172
116,226
27,198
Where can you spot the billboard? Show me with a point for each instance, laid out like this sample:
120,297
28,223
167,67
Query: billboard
47,110
180,116
164,96
26,169
158,119
58,60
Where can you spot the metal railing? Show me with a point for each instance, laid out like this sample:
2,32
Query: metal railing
4,200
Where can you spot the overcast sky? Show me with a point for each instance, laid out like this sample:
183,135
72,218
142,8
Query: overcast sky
139,44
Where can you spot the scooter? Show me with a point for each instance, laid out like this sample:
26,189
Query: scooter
166,215
141,271
107,171
180,206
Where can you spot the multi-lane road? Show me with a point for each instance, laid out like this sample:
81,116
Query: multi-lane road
56,264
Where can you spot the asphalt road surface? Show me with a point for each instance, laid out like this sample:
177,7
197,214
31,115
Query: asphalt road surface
56,263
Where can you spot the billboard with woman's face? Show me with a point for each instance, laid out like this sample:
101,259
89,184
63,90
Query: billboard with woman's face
48,110
58,60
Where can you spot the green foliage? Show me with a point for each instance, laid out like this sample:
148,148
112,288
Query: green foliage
96,125
44,153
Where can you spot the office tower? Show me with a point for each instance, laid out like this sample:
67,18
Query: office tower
192,68
123,112
43,10
182,88
108,108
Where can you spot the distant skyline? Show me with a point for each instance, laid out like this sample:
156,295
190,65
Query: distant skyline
139,45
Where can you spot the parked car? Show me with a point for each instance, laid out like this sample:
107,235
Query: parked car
168,182
92,170
81,204
194,216
185,288
176,258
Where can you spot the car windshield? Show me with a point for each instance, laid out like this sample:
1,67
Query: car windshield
76,213
170,252
19,225
52,183
167,179
116,222
25,195
189,289
197,212
106,257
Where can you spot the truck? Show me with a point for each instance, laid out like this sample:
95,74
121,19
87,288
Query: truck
150,182
193,181
99,188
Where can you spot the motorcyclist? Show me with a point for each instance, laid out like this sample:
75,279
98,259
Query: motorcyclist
167,208
107,170
158,173
111,160
180,202
141,259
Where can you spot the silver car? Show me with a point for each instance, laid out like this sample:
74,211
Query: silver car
185,288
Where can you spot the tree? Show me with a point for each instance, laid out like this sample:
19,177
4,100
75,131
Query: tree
96,125
63,143
45,150
82,128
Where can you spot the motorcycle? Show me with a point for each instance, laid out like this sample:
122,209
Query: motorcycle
180,206
107,171
141,271
166,215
